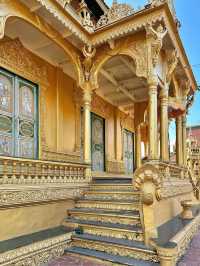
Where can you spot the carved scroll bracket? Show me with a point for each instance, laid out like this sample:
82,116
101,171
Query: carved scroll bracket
172,62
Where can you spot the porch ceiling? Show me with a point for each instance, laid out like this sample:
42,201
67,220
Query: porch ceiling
35,7
39,44
119,84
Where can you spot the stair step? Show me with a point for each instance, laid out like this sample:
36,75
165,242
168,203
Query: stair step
114,246
131,232
111,187
112,205
112,195
118,260
112,180
131,218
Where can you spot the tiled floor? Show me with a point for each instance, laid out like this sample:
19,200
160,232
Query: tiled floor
192,256
74,260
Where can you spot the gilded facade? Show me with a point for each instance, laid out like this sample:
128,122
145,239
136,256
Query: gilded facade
86,96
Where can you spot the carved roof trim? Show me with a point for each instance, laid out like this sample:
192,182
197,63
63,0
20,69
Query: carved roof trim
70,21
133,23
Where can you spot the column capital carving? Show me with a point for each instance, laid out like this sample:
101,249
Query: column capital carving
164,96
87,97
184,119
152,81
153,88
179,119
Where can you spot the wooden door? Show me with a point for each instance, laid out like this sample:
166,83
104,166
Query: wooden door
128,151
98,143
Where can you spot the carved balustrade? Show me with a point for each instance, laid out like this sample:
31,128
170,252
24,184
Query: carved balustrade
171,172
194,153
25,171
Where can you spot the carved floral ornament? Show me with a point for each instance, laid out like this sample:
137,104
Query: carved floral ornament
116,12
25,64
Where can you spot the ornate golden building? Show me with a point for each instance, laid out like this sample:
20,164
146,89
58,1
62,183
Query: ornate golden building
86,94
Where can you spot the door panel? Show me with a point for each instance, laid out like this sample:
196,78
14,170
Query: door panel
128,151
98,143
18,117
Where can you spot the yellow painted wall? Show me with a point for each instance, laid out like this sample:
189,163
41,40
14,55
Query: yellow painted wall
26,220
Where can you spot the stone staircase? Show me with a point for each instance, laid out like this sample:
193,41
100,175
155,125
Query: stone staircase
108,224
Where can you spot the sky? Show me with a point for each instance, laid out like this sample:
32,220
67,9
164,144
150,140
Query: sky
188,12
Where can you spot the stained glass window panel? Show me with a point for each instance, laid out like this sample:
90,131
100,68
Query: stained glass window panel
6,145
27,101
6,93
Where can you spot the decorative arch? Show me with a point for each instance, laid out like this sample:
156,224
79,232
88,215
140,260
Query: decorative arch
135,49
13,8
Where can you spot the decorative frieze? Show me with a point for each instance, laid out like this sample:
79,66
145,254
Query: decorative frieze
113,166
15,196
25,64
38,253
61,156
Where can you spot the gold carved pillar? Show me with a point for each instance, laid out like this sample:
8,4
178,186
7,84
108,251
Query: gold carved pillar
87,99
138,147
153,122
184,137
179,141
164,139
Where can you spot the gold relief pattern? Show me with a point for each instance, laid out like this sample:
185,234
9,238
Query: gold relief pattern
108,219
113,196
111,232
116,250
126,121
101,107
60,156
38,253
116,12
115,167
173,188
109,206
23,197
25,64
